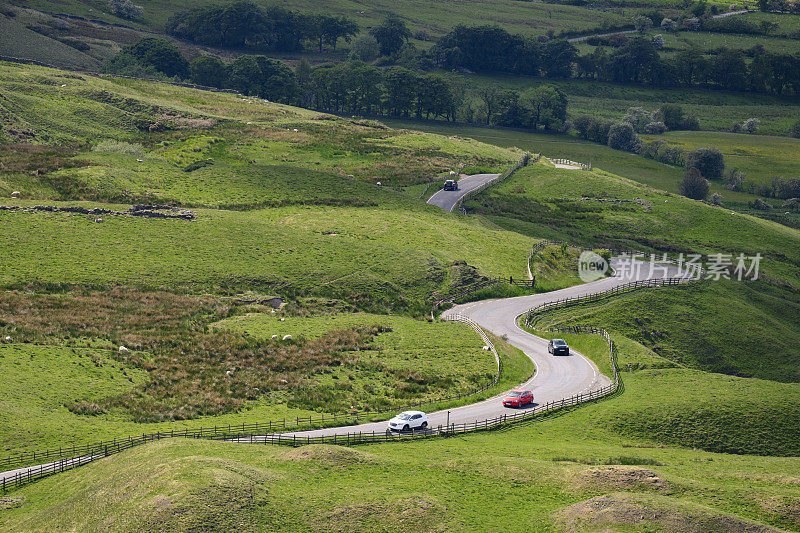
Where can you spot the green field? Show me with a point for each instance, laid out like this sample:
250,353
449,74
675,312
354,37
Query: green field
716,110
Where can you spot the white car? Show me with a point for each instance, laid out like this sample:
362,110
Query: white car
408,420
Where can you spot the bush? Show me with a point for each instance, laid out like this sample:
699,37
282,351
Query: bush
751,125
655,128
621,136
734,179
125,9
760,205
694,185
795,131
672,116
708,161
658,41
642,23
664,153
716,199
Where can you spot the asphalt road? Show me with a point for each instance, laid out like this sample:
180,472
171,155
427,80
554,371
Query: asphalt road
447,199
555,377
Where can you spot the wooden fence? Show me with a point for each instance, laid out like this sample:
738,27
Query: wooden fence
252,433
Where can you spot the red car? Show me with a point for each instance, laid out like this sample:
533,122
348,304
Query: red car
518,398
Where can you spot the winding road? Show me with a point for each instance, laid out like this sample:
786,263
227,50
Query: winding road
447,200
555,377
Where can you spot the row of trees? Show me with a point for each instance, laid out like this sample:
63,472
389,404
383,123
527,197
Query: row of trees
245,25
352,87
493,49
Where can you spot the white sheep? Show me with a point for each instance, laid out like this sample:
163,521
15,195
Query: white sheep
485,348
274,337
123,349
287,337
452,173
15,194
8,338
98,220
379,184
228,373
283,320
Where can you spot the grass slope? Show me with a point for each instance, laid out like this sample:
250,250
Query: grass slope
703,326
593,464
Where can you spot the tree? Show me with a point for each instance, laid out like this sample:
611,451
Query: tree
634,62
400,90
210,71
391,35
557,59
365,48
546,106
708,161
694,185
658,41
244,75
490,94
671,115
763,5
621,136
160,54
729,70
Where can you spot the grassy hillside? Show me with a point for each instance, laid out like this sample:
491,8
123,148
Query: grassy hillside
526,18
765,157
699,325
703,326
592,467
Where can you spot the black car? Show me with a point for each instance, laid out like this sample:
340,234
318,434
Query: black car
450,185
558,347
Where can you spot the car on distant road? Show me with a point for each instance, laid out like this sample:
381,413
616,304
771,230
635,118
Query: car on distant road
558,347
518,398
450,185
408,420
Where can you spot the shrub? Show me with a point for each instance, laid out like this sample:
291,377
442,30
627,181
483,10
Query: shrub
638,118
734,179
125,9
694,185
642,23
672,116
658,41
708,161
751,125
736,128
664,153
716,199
655,128
669,25
621,136
795,131
760,205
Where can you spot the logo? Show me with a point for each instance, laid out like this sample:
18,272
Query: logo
591,266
